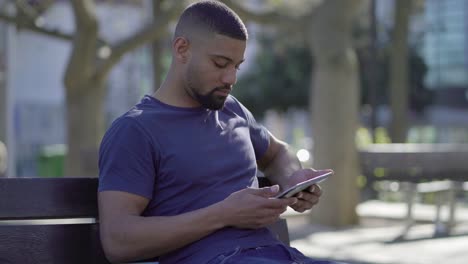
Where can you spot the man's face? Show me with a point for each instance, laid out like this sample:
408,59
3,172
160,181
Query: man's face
212,69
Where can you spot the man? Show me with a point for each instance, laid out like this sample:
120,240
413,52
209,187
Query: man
178,171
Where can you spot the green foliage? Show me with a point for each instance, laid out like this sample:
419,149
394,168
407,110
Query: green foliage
361,181
364,136
279,78
419,95
281,73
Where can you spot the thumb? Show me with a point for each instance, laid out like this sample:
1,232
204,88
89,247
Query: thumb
266,191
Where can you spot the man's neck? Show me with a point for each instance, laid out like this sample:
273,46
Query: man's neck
171,92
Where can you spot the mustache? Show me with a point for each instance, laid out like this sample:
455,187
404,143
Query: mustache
223,88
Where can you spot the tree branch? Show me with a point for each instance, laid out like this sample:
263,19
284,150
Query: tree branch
44,5
27,10
273,18
32,27
245,14
50,32
151,32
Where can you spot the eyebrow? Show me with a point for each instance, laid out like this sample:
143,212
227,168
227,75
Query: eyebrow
226,58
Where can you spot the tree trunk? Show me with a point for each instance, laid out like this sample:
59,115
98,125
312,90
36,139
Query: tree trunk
334,105
86,125
3,82
3,124
399,73
3,107
157,50
84,94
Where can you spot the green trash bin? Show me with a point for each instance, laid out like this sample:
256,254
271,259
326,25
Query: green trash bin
51,161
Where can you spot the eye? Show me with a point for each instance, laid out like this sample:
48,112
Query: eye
219,65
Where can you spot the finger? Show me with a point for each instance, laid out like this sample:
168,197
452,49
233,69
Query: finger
302,206
307,196
315,189
298,208
290,201
269,191
283,202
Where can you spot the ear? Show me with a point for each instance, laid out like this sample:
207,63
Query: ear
181,49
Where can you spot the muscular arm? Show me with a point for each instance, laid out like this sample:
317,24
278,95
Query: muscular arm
128,236
282,167
279,163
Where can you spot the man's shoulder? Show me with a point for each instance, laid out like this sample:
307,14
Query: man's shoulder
231,100
143,110
232,104
135,119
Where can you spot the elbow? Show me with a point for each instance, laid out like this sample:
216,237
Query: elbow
114,258
112,252
114,249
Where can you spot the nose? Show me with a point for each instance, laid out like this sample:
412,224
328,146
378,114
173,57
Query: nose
230,76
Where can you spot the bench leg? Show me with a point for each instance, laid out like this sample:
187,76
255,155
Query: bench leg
440,228
410,192
452,204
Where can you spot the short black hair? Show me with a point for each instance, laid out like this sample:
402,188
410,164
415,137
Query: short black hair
211,16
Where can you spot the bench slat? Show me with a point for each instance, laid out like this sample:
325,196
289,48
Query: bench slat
415,162
50,244
405,160
415,176
24,198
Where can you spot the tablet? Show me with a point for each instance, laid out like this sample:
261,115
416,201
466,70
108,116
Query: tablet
304,185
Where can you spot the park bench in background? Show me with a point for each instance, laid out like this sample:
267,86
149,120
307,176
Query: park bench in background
54,220
421,168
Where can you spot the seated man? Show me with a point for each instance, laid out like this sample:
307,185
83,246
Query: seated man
178,170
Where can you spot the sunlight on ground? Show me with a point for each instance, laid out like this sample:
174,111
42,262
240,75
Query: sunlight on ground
374,240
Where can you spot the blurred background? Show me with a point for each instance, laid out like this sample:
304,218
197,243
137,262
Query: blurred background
329,77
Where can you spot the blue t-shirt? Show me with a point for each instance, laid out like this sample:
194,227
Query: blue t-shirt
184,159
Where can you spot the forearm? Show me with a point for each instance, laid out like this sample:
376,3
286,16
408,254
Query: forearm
136,237
283,164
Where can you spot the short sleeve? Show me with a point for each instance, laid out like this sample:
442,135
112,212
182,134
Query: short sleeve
127,159
259,135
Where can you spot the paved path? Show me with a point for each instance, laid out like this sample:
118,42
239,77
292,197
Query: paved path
373,241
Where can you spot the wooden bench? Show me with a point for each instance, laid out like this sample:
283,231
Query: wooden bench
421,168
55,220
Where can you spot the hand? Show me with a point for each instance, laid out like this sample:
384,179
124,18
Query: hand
254,208
309,197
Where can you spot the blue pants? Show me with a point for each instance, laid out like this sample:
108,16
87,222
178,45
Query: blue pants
275,254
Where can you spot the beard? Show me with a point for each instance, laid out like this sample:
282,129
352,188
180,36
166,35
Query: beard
210,100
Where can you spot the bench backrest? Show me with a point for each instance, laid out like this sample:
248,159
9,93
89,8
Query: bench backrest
25,237
416,162
54,220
